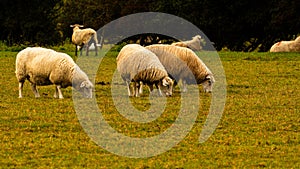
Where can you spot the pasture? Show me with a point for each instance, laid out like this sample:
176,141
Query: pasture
260,126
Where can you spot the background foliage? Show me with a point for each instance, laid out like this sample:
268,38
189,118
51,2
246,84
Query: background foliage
237,25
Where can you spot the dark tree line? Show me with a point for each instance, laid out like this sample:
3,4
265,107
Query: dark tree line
28,21
238,25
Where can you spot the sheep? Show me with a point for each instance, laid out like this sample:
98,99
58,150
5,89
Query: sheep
81,37
183,64
194,44
137,64
41,67
287,46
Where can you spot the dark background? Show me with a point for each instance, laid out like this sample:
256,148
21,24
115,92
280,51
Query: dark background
239,25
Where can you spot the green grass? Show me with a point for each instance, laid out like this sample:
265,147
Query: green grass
260,127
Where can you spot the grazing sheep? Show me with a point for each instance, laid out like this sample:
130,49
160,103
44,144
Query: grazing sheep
81,37
183,64
43,67
194,44
287,46
137,64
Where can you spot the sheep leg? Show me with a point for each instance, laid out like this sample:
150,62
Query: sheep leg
75,50
55,93
136,89
58,91
184,86
21,88
128,88
96,49
101,42
158,89
81,47
141,88
150,87
35,91
87,49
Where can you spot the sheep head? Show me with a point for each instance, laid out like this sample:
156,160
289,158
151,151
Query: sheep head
76,26
86,89
208,83
198,37
166,86
297,39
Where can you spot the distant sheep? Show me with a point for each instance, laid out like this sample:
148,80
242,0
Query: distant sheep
183,64
43,67
194,44
81,37
287,46
137,64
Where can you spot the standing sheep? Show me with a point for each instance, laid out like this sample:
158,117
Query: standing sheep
137,64
81,37
194,44
43,67
183,64
287,46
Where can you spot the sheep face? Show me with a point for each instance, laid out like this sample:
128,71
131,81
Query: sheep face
208,83
86,89
198,37
166,86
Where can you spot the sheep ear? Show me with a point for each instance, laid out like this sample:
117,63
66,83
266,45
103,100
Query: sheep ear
165,82
82,85
210,78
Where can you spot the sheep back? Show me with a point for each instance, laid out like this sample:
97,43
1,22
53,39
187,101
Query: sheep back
83,36
179,62
181,44
193,44
286,46
135,63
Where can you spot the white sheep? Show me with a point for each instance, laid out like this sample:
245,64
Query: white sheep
137,64
183,64
42,67
81,37
194,44
286,46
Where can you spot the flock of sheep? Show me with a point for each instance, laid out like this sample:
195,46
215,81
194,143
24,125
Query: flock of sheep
162,66
41,66
159,65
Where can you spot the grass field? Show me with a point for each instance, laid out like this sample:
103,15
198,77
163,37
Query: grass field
260,127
